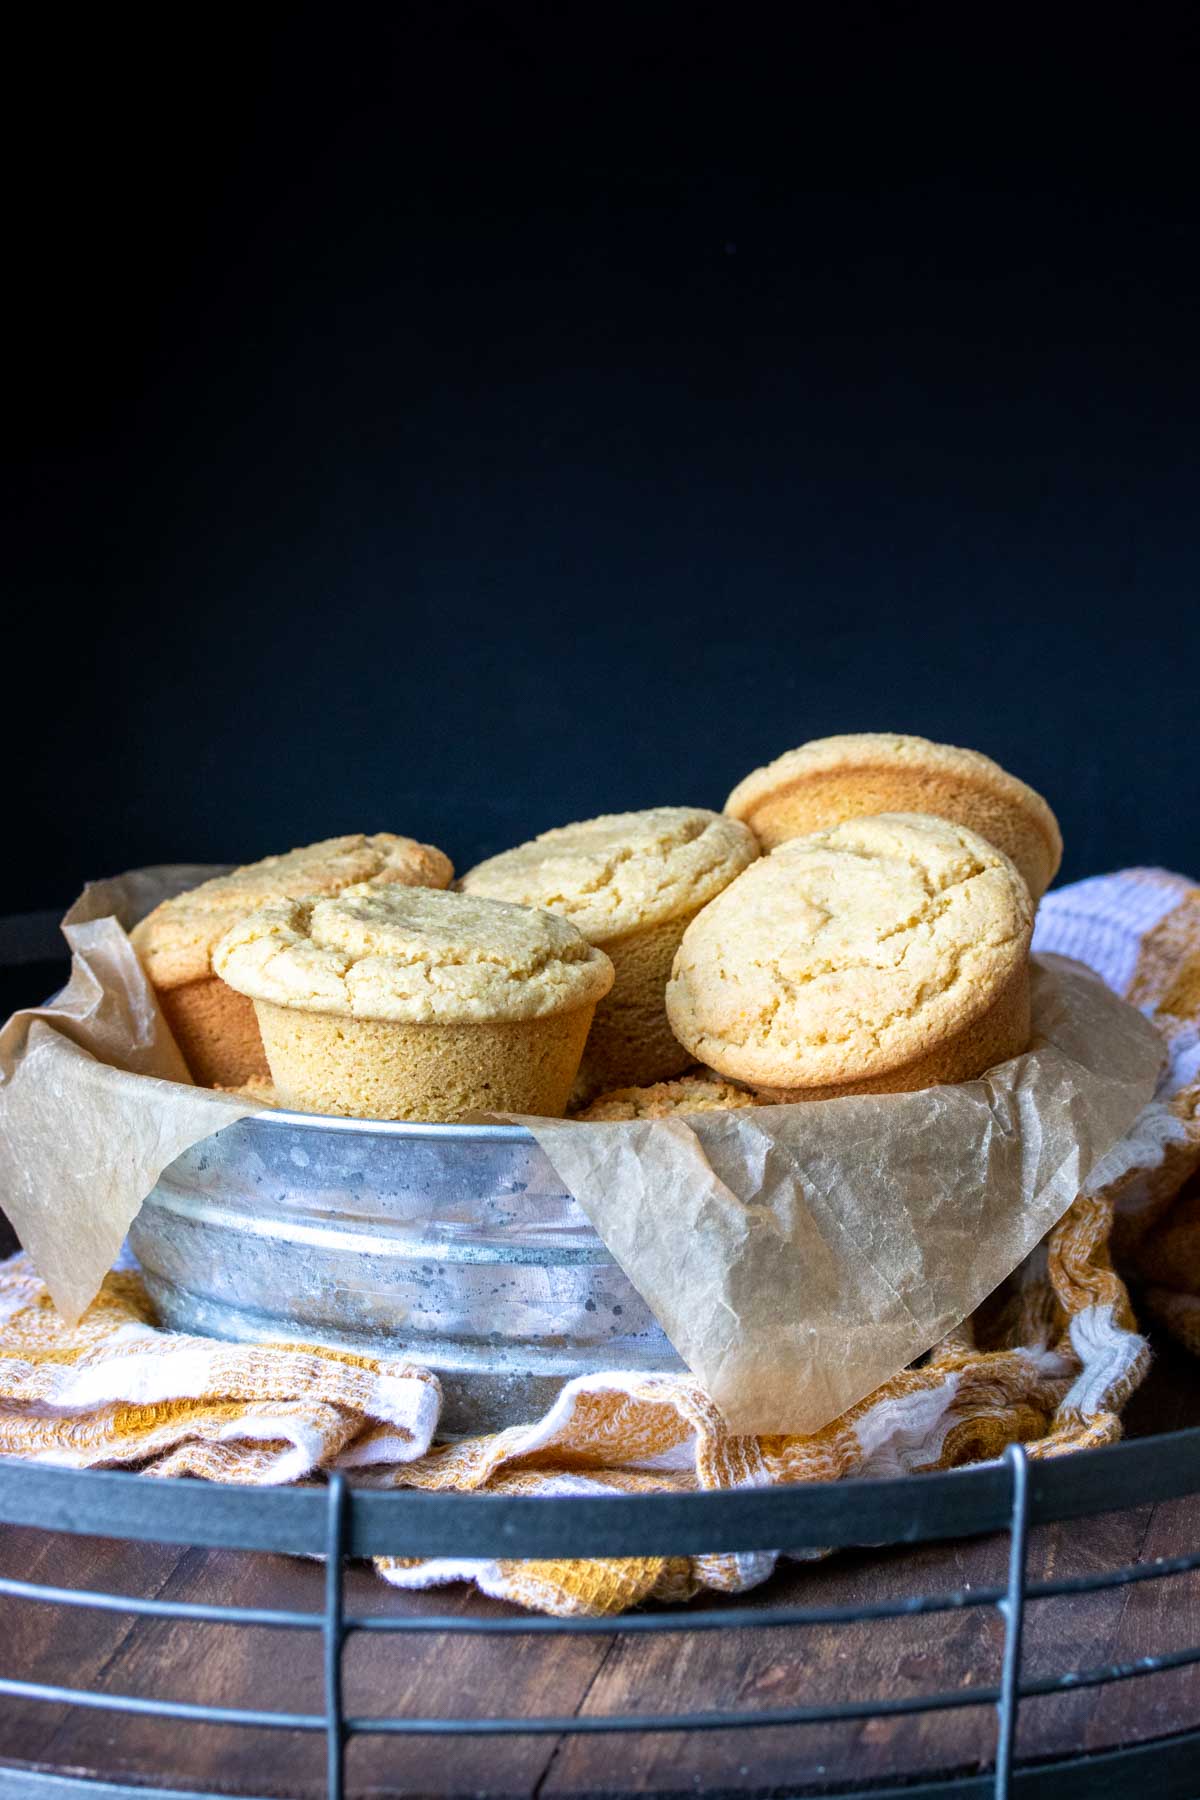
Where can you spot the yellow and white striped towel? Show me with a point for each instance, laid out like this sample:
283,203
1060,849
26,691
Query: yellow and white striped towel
1049,1360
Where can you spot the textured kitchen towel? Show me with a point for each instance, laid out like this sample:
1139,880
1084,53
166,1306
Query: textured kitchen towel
1050,1358
116,1392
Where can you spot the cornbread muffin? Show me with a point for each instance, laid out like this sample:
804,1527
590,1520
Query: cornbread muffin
838,778
259,1088
215,1027
886,954
632,883
409,1003
667,1099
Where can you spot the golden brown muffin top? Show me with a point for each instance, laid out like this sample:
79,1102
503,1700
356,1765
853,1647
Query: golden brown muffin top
176,941
666,1099
891,754
847,953
415,955
621,871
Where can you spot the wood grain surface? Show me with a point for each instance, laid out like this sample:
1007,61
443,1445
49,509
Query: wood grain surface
432,1675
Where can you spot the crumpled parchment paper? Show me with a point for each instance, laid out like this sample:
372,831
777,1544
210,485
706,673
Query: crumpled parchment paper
95,1099
796,1256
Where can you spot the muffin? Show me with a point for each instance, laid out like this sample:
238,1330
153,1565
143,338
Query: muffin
259,1088
702,1092
632,883
838,778
409,1003
886,954
213,1025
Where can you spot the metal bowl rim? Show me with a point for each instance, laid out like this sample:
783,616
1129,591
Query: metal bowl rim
402,1128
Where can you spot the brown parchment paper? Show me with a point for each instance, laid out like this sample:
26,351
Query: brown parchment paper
798,1256
95,1099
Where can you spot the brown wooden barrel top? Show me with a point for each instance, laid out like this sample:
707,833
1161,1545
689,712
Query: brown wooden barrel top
428,1675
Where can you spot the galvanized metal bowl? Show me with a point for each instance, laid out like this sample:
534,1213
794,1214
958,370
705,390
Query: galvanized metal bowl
456,1246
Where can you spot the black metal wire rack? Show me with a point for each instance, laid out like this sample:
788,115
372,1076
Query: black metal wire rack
338,1522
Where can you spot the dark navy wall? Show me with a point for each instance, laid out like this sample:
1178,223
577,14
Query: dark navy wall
460,419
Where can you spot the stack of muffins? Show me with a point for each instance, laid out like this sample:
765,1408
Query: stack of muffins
857,920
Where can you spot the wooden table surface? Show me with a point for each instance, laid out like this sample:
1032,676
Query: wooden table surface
427,1675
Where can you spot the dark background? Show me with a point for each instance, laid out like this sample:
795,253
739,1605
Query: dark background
461,418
